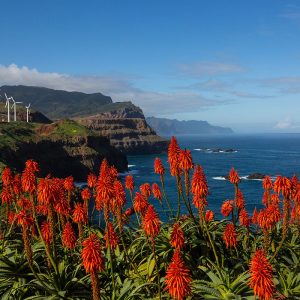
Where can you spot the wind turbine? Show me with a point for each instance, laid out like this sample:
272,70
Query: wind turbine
7,105
15,108
27,112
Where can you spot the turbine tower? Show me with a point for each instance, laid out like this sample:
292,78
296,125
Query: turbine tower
27,113
15,108
7,105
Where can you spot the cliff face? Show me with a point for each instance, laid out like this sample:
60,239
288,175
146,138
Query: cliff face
130,135
122,123
58,153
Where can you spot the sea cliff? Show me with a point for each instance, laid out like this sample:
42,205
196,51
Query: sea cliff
61,148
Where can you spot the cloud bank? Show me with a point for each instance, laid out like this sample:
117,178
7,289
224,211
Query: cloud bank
208,68
120,89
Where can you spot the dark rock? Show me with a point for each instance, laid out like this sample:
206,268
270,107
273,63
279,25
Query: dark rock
256,176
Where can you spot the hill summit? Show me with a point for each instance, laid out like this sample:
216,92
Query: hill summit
59,104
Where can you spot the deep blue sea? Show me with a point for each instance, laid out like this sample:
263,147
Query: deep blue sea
269,154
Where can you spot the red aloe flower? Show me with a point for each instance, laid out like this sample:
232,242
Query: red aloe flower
295,213
68,236
17,184
209,216
234,176
86,194
129,183
178,278
177,236
91,255
173,156
24,219
129,212
227,207
261,276
32,166
93,261
11,217
283,185
254,216
105,188
151,222
199,184
267,183
24,203
61,205
42,210
28,181
240,201
110,237
156,191
114,172
6,195
45,191
244,218
69,183
230,236
266,197
120,197
185,160
92,180
268,217
199,203
274,213
146,189
7,177
46,232
158,167
275,199
79,214
140,203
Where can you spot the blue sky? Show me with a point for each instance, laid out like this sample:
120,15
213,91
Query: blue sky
232,63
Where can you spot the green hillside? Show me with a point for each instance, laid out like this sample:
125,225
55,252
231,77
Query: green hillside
57,104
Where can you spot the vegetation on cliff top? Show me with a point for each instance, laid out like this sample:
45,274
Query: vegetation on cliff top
58,104
53,246
66,142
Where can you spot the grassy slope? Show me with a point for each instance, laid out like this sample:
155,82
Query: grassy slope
13,133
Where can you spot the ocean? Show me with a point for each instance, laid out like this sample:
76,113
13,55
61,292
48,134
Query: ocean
268,154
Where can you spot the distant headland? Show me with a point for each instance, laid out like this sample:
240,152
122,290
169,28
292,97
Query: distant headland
168,127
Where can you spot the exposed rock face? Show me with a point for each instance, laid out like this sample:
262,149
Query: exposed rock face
130,135
121,110
121,122
59,154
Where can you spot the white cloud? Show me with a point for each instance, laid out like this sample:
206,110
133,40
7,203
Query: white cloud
219,86
204,68
286,123
284,85
119,88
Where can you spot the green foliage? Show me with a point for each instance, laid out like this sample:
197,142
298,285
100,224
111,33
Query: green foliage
69,128
57,104
137,268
